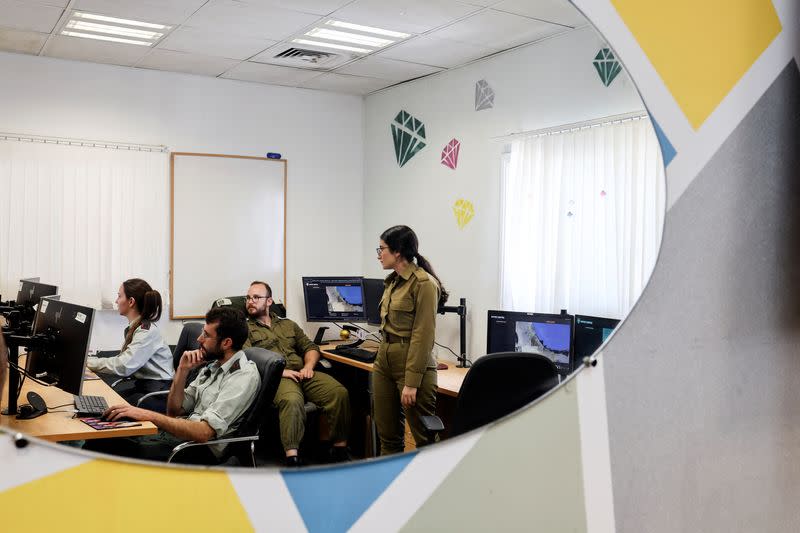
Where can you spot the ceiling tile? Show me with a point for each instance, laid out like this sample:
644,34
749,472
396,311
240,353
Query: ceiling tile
249,71
27,16
558,11
410,16
211,43
386,69
343,83
156,11
183,62
250,19
438,52
497,30
26,42
316,7
94,51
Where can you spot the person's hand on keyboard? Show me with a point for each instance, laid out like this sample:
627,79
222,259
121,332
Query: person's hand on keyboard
119,412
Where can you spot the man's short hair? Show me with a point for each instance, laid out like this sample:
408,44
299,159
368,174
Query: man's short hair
231,324
266,286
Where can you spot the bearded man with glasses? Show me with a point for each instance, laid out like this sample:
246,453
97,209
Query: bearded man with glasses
300,382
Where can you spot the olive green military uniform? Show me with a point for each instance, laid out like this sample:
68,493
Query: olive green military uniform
408,320
288,339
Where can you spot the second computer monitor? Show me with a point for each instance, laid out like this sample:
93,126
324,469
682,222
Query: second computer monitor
31,291
331,299
373,292
62,360
546,334
590,333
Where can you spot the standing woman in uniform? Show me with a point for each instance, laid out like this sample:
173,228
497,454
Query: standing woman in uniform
404,377
144,354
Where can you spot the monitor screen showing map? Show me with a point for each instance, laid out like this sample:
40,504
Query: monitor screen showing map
332,299
546,334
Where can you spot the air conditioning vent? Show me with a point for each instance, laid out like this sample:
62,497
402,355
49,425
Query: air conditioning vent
314,57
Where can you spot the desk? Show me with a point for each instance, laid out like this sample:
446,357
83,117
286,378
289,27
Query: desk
448,386
61,426
449,380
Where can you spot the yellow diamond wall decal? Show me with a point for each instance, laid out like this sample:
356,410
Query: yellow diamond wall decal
463,211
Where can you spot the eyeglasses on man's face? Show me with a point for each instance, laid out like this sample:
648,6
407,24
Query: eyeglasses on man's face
380,249
255,298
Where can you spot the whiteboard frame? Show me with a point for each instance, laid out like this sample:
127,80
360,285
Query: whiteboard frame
172,155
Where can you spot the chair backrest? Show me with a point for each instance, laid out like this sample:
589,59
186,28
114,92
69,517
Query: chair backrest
499,384
270,366
238,302
186,341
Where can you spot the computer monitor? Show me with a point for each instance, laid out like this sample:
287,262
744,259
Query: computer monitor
331,299
546,334
31,291
62,359
590,333
373,291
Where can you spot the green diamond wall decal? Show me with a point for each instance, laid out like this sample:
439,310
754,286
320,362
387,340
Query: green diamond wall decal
607,66
409,137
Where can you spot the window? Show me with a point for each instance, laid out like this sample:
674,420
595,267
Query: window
582,218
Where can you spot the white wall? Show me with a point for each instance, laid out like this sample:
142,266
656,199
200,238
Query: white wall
545,84
321,135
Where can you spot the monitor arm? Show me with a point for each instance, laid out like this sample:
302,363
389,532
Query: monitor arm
461,310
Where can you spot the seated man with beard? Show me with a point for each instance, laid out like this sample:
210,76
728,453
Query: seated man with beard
210,407
299,381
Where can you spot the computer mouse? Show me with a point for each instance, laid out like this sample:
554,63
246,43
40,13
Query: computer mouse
442,366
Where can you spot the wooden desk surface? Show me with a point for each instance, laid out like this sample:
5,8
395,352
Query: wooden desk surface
449,381
58,426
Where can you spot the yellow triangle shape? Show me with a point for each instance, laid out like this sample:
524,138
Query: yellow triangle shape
107,496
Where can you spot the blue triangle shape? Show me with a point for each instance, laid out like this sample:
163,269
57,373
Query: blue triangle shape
332,499
667,149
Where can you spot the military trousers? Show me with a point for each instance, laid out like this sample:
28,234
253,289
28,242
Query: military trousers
326,393
388,380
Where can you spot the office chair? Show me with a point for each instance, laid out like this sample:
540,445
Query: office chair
270,367
497,384
239,302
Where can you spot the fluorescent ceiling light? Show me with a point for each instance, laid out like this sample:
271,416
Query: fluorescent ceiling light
332,45
368,29
333,35
113,30
103,38
128,22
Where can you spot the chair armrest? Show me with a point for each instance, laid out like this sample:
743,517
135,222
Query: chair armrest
432,423
151,395
189,444
117,382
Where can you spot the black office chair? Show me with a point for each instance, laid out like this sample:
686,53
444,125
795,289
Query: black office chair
239,302
497,384
241,443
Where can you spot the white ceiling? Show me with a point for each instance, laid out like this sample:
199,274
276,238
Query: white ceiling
238,39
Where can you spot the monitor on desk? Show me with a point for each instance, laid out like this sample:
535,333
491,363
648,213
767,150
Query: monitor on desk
373,291
590,333
546,334
62,359
331,299
31,291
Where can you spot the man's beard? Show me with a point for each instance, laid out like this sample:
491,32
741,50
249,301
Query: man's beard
256,313
213,355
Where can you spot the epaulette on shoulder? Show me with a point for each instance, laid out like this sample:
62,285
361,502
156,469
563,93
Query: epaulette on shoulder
234,367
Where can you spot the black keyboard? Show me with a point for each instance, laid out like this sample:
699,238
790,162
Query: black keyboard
359,354
90,405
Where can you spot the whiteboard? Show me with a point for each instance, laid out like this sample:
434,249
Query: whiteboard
228,228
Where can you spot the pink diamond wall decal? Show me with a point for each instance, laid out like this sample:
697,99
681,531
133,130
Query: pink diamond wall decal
450,154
